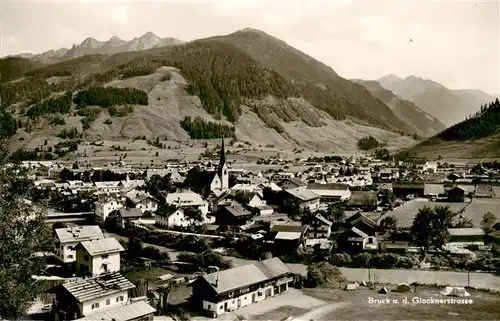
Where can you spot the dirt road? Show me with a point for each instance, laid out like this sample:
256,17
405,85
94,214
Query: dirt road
316,314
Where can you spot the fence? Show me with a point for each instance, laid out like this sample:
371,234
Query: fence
475,280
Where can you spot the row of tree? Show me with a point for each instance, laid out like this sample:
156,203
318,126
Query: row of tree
485,124
59,105
198,128
110,96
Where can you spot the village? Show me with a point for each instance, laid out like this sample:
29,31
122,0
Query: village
205,239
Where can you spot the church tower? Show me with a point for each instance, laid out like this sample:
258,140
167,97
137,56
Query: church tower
223,171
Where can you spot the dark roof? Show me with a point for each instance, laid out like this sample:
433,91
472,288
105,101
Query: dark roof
295,181
362,198
237,209
329,186
408,185
288,228
359,217
131,212
103,285
245,197
197,180
322,219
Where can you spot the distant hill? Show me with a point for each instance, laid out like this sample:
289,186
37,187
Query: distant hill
92,46
449,106
476,136
423,123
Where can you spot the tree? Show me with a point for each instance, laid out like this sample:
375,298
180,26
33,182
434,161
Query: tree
134,247
66,175
336,214
430,226
320,274
464,222
23,232
488,221
389,223
194,214
421,228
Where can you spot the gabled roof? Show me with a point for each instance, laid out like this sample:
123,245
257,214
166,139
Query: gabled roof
295,181
362,198
289,228
322,219
100,286
126,312
359,217
245,197
198,179
102,246
107,184
359,232
239,277
130,213
302,193
237,209
329,186
79,233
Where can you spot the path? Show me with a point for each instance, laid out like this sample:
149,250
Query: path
189,233
320,312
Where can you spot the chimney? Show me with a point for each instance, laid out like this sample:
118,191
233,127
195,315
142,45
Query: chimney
217,281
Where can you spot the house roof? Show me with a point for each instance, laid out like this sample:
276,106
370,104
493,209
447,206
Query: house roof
359,232
245,197
329,186
465,231
408,185
79,233
107,184
302,193
198,179
295,181
287,235
288,228
362,198
130,213
246,275
186,198
324,220
237,209
100,286
102,246
360,217
122,313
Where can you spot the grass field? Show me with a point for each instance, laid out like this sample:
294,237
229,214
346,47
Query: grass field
473,211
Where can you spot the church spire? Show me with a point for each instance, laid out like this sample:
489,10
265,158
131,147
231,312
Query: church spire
222,161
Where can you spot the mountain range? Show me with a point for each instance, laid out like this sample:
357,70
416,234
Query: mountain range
447,105
91,46
271,92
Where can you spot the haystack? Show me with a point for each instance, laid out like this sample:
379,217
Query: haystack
383,290
403,288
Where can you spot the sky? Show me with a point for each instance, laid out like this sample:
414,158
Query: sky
456,43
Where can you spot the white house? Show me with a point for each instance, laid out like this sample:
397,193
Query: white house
98,256
305,198
67,238
108,187
188,198
89,296
320,228
174,218
106,207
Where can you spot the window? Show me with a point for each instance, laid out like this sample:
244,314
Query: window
108,301
95,306
209,306
86,258
221,307
70,256
119,299
105,256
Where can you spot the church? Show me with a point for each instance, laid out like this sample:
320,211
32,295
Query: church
203,182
